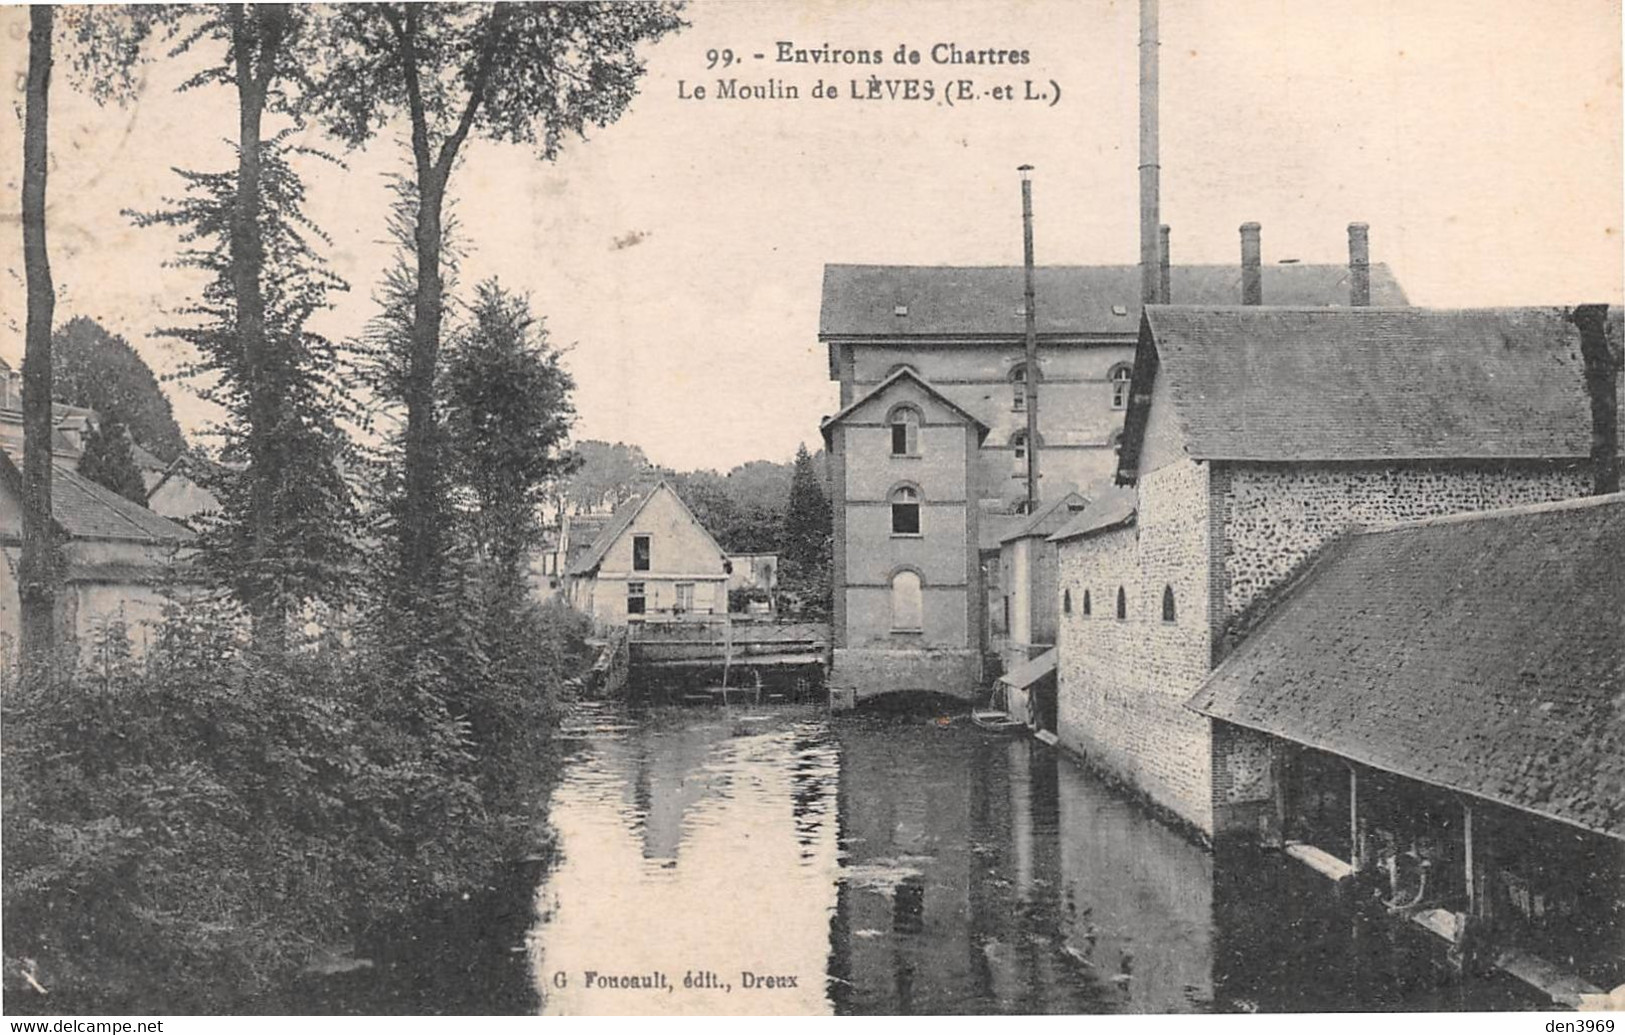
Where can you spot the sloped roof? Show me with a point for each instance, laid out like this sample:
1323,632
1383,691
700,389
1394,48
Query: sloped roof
993,524
862,301
86,509
1484,653
1111,508
622,519
1266,383
902,374
1031,671
1048,517
83,509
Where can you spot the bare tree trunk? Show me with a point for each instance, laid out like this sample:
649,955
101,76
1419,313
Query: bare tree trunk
422,531
37,573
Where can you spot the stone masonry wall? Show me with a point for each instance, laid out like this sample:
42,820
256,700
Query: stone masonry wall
1123,683
1273,516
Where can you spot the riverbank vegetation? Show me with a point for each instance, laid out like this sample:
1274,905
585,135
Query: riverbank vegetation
347,709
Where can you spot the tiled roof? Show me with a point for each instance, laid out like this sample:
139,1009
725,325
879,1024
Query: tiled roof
86,509
863,301
1484,653
622,519
83,509
1048,518
1251,383
1111,508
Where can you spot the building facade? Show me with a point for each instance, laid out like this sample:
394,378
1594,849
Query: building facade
652,561
1255,437
960,333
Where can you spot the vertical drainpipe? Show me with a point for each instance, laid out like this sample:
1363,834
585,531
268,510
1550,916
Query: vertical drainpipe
1150,167
1252,275
1030,381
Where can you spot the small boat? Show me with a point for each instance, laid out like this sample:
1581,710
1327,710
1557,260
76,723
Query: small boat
996,719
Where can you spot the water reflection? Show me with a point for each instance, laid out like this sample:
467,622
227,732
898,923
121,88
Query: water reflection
886,864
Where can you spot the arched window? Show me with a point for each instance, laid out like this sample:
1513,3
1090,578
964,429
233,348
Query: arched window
1018,385
1168,603
1066,601
1086,606
1121,377
905,510
905,431
907,602
1122,603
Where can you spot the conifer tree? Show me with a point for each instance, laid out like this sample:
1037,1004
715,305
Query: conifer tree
109,461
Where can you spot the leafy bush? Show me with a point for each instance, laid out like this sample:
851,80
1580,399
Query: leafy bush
183,834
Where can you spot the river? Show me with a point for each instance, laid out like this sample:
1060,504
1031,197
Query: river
779,860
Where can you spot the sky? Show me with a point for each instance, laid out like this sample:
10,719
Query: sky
678,253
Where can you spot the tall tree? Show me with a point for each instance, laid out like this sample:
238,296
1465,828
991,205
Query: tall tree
508,413
288,517
94,368
526,73
606,475
807,516
38,569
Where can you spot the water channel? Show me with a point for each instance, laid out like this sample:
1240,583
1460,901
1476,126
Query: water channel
884,863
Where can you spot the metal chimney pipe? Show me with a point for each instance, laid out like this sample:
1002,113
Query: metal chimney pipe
1252,274
1165,292
1150,169
1359,264
1030,311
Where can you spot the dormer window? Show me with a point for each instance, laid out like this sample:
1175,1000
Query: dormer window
1121,377
905,431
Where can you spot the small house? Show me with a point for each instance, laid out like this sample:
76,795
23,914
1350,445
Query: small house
652,561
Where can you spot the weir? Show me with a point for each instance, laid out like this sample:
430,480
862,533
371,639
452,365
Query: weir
713,652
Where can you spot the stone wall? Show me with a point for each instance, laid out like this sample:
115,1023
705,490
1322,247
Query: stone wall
875,671
1123,683
1274,515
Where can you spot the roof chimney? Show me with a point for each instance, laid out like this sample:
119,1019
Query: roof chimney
1252,277
1166,294
1359,264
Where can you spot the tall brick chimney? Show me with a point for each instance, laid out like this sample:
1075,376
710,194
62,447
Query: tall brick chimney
1252,276
1359,264
1166,291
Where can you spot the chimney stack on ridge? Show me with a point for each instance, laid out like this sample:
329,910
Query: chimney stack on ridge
1359,264
1252,276
1165,292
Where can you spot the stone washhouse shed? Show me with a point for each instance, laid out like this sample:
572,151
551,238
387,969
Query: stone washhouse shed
119,557
1256,436
1437,709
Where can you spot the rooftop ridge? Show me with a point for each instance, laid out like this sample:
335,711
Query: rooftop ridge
1497,513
